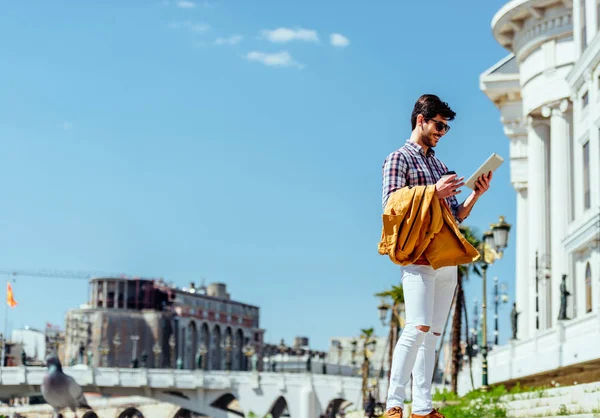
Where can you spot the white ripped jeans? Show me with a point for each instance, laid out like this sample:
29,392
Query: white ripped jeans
427,296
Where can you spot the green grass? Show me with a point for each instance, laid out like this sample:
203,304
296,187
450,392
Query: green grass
475,404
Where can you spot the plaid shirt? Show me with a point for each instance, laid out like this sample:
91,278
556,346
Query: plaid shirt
409,167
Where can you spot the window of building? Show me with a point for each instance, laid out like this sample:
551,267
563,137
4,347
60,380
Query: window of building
588,288
583,24
587,198
585,99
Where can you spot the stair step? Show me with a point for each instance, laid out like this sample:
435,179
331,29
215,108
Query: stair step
547,411
535,402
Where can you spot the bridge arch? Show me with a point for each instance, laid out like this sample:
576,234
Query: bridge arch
184,413
336,406
279,408
131,413
228,403
90,414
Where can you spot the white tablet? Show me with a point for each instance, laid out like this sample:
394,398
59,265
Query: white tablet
491,164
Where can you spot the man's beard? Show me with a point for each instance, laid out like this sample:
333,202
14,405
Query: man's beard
429,140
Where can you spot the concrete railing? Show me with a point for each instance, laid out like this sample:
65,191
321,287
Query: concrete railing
165,378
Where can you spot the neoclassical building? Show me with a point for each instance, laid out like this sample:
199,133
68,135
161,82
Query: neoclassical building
547,91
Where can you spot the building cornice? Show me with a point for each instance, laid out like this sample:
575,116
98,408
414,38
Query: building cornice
588,232
500,87
521,22
589,59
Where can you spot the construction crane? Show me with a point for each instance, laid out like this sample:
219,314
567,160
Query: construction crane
65,274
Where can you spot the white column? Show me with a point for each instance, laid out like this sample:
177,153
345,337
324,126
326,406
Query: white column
117,292
559,196
125,294
523,279
95,294
537,176
105,293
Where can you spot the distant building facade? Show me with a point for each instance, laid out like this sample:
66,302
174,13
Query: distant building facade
343,352
158,325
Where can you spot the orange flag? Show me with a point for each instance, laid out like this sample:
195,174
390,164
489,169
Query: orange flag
10,299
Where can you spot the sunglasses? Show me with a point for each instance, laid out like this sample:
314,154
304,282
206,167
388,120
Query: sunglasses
439,125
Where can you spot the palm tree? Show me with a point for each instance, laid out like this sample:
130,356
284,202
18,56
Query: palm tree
459,306
396,294
367,335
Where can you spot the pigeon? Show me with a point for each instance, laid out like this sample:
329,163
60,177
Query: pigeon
60,390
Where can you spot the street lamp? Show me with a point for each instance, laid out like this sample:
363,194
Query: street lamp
105,351
395,323
354,343
202,350
172,349
157,350
383,310
249,351
500,296
228,347
494,243
543,264
134,339
117,343
339,359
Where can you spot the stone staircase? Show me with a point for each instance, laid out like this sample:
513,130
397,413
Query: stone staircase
581,401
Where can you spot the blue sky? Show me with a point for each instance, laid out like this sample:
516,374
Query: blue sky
232,141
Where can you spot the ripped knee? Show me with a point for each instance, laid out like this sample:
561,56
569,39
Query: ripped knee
437,334
423,328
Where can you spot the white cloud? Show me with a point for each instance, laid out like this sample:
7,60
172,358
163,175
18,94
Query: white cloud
338,40
194,27
186,4
278,59
231,40
282,35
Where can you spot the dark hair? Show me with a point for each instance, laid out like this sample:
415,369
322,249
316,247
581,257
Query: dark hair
429,105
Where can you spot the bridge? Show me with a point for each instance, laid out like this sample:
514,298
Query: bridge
217,394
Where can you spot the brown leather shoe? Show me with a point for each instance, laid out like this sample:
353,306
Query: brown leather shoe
395,412
433,414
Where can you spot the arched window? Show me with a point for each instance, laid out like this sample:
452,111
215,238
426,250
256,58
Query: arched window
588,288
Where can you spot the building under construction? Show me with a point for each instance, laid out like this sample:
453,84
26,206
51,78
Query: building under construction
149,323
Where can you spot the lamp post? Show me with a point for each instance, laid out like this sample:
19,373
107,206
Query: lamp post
134,339
172,349
228,347
104,350
282,349
117,343
354,344
395,324
500,296
202,350
339,359
157,350
542,271
249,351
494,243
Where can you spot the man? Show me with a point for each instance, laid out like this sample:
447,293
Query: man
427,292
